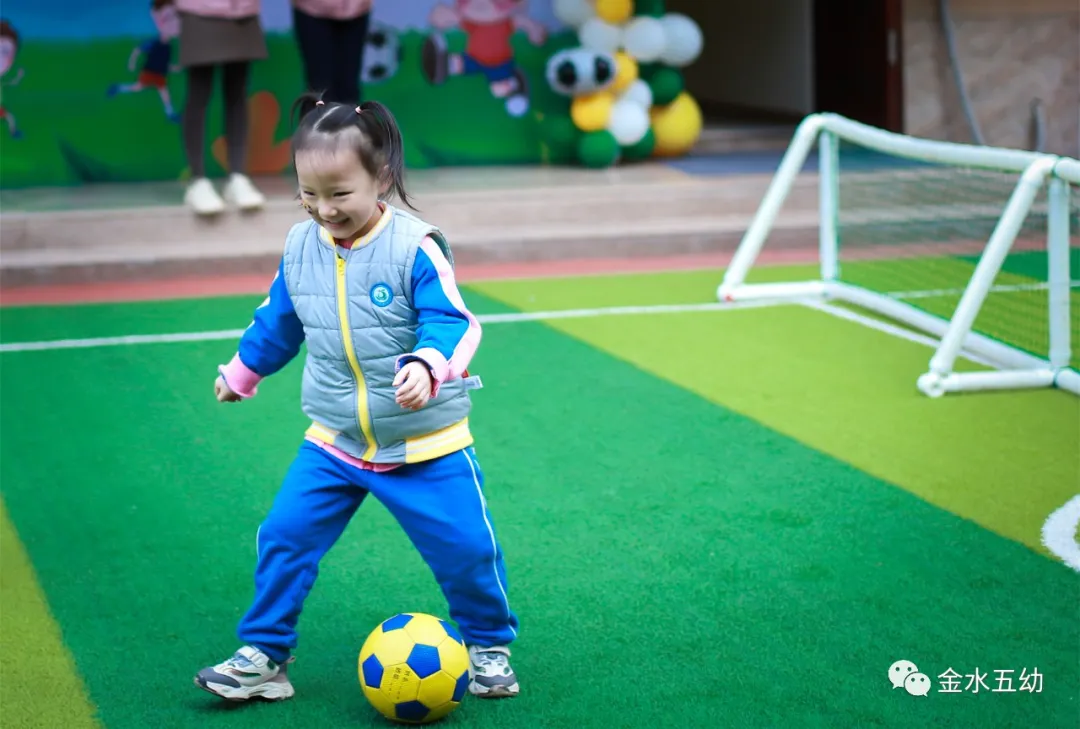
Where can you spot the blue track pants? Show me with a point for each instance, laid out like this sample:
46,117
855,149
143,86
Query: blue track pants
439,503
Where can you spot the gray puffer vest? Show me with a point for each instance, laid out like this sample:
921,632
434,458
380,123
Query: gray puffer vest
357,310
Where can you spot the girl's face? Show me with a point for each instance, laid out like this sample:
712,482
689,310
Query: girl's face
338,192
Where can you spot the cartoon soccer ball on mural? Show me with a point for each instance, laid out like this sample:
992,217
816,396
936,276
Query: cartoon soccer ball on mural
414,668
382,55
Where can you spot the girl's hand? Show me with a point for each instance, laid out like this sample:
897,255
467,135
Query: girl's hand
223,393
414,386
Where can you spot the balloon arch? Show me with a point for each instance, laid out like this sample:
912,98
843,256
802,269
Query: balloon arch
628,101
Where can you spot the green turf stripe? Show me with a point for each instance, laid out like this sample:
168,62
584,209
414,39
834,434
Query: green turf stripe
1005,460
672,562
39,685
1033,264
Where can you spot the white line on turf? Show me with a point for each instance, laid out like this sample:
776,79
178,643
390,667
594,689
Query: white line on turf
507,318
885,327
999,289
1059,533
129,340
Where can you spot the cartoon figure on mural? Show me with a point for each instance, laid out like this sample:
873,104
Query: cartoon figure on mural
157,57
488,25
9,48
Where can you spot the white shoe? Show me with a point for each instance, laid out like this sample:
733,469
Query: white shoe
203,198
241,192
250,673
490,674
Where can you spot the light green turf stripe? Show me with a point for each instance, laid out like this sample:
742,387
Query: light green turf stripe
39,685
1004,460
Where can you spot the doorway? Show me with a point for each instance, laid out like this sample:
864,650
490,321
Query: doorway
857,60
772,62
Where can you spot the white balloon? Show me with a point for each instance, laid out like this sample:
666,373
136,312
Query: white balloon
639,93
596,35
629,122
683,40
644,38
573,12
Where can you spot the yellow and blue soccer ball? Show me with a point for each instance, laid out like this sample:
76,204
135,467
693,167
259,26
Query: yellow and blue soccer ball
414,668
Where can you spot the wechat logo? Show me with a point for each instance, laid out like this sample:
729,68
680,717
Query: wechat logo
906,675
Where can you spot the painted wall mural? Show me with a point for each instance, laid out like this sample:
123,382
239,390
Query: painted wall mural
91,92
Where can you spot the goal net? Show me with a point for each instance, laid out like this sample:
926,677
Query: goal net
969,248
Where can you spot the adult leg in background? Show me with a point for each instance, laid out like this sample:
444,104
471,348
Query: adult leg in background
234,91
239,190
350,37
200,85
200,195
315,40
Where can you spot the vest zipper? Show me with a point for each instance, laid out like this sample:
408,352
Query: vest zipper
362,415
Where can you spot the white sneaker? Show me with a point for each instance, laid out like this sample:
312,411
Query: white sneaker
203,198
490,674
250,673
241,192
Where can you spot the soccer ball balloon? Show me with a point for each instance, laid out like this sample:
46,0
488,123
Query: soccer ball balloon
382,55
579,71
414,668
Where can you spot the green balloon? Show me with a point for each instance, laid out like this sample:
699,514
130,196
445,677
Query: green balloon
665,84
641,150
647,70
598,149
559,132
654,8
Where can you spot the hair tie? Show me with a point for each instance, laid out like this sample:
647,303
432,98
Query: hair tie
320,102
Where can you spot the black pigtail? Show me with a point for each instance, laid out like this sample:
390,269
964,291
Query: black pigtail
304,105
387,138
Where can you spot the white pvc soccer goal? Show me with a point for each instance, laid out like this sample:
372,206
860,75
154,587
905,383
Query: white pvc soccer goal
970,245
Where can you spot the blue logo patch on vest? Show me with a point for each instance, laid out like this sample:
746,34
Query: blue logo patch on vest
381,295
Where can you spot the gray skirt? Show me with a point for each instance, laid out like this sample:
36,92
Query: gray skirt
205,40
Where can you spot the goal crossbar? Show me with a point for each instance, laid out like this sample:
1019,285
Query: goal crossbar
1012,366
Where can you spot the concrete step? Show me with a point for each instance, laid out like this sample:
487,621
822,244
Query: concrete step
620,214
723,139
244,256
455,212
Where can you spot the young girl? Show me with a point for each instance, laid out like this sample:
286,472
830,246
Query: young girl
371,290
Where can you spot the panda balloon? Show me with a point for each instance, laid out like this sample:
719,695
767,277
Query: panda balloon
579,71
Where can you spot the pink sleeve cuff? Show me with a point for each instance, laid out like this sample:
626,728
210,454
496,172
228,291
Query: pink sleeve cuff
239,378
440,368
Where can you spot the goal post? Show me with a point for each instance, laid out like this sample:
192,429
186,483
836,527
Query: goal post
1020,369
965,227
